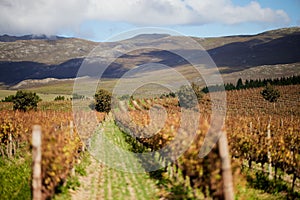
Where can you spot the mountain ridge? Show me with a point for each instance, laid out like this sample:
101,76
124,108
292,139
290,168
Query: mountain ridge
62,57
11,38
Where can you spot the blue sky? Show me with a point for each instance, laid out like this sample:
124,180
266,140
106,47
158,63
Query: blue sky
99,20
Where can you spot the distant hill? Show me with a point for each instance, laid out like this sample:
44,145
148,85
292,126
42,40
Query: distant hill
259,50
39,57
9,38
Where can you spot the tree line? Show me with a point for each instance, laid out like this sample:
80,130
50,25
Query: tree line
293,80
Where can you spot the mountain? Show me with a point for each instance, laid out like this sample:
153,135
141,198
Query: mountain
148,37
262,49
8,38
39,57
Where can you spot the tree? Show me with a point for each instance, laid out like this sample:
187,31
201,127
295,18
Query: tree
77,96
25,101
270,93
198,91
229,86
187,97
103,100
239,84
59,98
8,98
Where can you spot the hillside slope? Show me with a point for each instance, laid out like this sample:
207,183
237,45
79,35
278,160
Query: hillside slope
30,57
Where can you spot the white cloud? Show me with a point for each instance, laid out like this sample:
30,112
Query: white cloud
53,16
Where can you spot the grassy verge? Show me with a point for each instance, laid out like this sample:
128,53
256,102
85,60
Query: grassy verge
72,183
15,178
277,187
43,105
44,95
118,184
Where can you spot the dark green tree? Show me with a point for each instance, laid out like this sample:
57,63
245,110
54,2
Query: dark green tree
239,84
59,98
25,101
229,86
8,98
270,93
103,100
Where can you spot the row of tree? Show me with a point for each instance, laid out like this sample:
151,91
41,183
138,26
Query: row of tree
188,96
293,80
24,101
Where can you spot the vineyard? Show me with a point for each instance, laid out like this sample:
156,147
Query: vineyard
248,121
61,149
263,139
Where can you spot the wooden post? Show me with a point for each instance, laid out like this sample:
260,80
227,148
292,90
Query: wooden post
36,163
269,152
10,145
73,171
226,167
71,129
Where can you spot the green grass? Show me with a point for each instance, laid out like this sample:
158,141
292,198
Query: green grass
72,183
80,168
43,106
50,97
55,105
43,95
117,184
50,91
56,89
5,93
62,192
248,193
15,178
66,88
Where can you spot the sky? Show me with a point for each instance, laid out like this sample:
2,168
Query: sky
99,20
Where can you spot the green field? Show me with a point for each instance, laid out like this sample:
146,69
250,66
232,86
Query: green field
50,91
44,96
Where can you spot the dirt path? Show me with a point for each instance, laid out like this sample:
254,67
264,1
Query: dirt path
88,184
103,182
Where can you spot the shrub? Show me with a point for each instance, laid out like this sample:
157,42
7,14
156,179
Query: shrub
78,96
189,96
125,97
25,101
270,93
103,101
168,95
198,91
8,98
186,97
59,98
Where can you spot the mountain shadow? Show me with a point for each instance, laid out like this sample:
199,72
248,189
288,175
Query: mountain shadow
242,55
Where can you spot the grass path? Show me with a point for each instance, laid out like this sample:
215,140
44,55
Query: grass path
103,182
88,184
